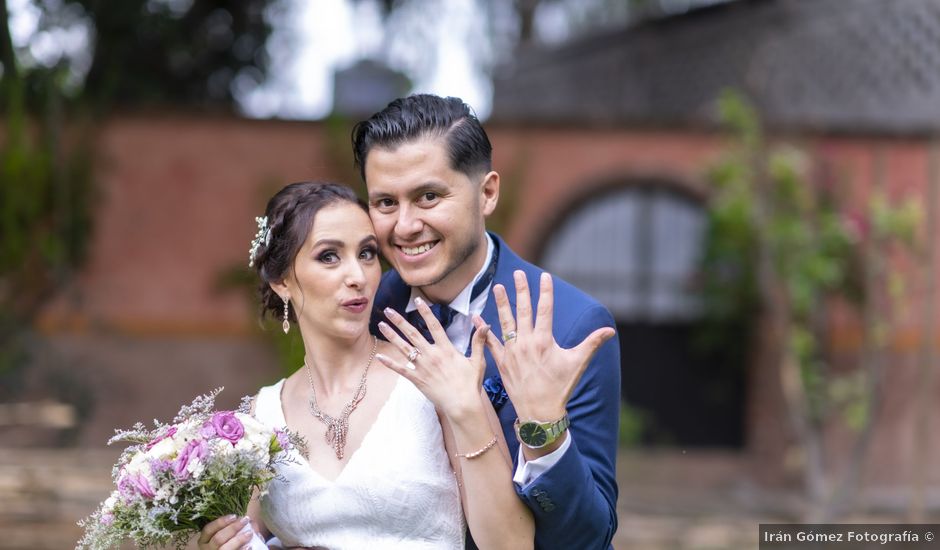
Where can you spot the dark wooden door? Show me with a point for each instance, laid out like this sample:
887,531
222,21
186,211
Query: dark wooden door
636,249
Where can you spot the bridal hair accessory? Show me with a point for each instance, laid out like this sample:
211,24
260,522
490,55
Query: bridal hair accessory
286,324
338,428
262,237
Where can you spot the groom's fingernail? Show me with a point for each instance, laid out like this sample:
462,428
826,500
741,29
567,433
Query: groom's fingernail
418,300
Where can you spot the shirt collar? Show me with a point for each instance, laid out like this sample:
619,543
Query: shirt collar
460,304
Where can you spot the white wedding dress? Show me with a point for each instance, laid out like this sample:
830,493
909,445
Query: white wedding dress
397,490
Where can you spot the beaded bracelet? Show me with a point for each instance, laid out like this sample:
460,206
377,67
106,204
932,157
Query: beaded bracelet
477,453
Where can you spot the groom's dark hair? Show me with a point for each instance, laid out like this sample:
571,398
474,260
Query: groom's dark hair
424,115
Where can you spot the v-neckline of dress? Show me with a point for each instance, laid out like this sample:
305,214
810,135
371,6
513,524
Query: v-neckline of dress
365,439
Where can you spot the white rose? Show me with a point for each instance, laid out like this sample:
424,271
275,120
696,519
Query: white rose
253,428
139,463
196,468
165,449
262,439
220,447
162,494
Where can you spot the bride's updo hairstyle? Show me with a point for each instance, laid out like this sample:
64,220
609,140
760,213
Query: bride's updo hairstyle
290,214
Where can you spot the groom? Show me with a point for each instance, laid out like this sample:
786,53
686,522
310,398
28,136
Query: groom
426,162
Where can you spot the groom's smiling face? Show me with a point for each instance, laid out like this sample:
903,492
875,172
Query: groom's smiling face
429,217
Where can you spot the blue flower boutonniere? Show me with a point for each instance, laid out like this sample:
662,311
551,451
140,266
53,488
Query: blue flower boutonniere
493,387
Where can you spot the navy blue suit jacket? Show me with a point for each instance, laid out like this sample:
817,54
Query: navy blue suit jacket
575,502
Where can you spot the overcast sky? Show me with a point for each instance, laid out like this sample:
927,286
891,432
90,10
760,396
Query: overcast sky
442,45
318,37
312,39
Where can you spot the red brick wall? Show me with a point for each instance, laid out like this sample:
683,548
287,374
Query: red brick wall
180,194
179,197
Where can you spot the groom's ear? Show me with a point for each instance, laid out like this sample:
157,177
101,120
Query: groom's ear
489,193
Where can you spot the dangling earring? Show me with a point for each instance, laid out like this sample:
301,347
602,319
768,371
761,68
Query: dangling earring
286,324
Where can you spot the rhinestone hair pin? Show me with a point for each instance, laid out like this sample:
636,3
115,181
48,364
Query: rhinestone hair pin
262,237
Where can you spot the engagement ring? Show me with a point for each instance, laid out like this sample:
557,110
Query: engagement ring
413,354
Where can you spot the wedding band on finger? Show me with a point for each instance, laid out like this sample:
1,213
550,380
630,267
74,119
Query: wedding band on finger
412,356
509,336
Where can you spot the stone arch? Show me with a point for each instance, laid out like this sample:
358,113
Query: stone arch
635,244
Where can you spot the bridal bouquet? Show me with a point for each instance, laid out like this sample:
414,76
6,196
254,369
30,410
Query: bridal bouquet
176,478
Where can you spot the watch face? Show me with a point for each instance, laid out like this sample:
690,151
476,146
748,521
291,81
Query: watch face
532,434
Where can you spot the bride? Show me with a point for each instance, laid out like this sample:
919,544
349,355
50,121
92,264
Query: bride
404,449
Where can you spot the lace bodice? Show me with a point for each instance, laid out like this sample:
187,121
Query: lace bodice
396,491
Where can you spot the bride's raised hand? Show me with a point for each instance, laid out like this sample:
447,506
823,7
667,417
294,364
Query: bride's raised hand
444,375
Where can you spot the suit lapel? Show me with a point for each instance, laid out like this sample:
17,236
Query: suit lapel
508,262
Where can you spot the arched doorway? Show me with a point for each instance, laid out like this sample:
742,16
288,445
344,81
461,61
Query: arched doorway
636,248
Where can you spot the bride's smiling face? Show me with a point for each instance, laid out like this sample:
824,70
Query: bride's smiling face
336,272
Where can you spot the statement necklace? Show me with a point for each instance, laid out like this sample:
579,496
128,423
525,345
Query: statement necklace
338,428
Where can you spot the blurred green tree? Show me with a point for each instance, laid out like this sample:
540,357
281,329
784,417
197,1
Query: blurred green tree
144,52
781,249
132,53
44,195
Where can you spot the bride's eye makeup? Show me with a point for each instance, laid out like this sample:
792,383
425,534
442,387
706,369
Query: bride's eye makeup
328,257
368,253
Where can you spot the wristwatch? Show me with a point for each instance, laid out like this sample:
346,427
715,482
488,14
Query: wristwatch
536,434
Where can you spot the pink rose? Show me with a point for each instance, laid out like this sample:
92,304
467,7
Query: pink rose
283,441
228,426
143,486
207,431
194,450
135,484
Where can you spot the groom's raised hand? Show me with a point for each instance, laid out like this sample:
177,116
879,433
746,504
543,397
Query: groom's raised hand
538,374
